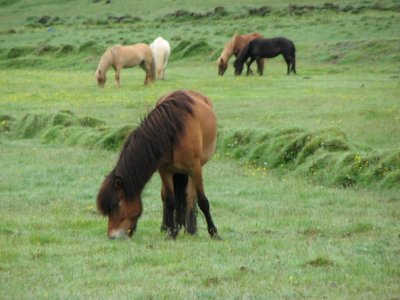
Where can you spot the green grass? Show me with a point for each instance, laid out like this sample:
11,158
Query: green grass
304,186
281,237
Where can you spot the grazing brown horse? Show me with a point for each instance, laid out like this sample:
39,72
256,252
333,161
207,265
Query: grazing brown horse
126,57
176,138
233,47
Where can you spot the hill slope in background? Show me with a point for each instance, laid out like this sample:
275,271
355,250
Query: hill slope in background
75,33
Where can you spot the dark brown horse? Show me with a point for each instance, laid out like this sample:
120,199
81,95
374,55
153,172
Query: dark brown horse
176,138
261,48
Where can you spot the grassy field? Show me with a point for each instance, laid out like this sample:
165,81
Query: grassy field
304,187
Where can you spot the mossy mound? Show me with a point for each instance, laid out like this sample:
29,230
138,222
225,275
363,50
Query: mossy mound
91,47
323,156
190,49
113,139
31,125
66,49
283,147
19,52
185,15
91,122
45,21
6,123
64,127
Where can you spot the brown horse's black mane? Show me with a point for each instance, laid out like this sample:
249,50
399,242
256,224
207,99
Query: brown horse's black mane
154,138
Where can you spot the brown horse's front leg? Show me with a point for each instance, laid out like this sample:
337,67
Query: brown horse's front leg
172,227
191,224
204,204
205,208
170,205
164,226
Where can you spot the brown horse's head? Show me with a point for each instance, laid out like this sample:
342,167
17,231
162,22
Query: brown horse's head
101,78
123,213
222,66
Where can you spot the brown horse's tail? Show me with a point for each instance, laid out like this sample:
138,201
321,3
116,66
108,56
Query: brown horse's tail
180,183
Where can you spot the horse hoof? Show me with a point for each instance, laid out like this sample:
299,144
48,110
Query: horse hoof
216,237
172,234
170,238
214,234
191,232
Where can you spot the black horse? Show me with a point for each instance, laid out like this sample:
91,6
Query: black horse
261,48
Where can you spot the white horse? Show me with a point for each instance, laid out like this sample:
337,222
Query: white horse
161,52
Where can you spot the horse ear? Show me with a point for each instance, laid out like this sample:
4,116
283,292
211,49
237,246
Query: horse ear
117,182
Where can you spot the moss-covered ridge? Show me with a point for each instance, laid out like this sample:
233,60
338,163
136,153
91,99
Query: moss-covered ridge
324,156
64,127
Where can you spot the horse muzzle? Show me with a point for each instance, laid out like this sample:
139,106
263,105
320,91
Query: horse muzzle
121,233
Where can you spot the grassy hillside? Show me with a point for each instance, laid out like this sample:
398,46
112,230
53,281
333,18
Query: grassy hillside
339,34
304,187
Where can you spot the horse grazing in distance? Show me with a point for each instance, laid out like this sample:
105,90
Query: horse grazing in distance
176,138
233,47
266,48
120,57
161,51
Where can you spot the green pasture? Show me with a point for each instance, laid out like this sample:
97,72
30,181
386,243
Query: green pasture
304,187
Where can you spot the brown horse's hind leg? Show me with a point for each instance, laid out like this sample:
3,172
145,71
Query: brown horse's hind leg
205,208
191,226
204,204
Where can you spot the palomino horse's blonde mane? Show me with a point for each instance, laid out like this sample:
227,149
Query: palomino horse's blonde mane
227,52
104,64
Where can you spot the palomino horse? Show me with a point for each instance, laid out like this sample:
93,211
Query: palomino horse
233,47
176,138
126,57
161,52
266,48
